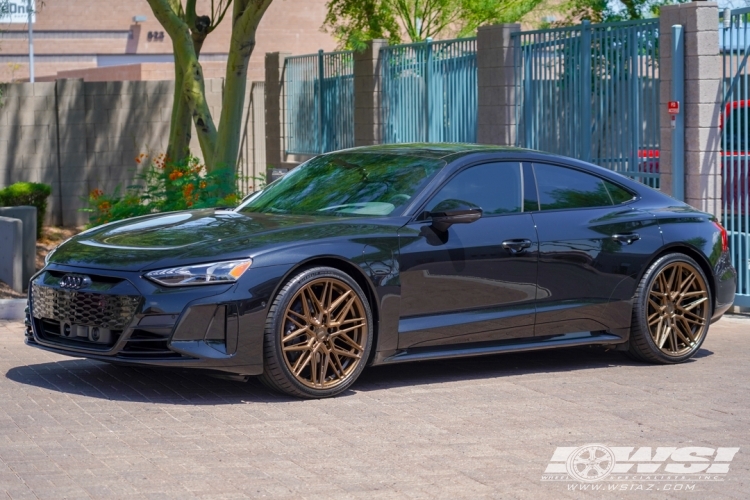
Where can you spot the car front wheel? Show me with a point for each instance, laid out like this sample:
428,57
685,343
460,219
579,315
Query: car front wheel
671,311
318,334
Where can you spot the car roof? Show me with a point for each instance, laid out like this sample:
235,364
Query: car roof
440,151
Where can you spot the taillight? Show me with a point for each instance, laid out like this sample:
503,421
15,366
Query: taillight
724,238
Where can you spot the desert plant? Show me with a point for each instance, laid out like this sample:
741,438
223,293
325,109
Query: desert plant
27,193
165,186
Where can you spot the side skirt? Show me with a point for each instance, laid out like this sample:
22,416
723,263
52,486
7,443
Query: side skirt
484,348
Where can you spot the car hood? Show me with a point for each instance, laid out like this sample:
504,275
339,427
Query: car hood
180,238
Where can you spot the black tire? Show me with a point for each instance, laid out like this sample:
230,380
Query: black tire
278,370
643,346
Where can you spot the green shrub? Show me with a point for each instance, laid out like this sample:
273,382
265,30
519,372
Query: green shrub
164,187
27,193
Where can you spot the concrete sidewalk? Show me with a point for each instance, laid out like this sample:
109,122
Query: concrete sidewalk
472,428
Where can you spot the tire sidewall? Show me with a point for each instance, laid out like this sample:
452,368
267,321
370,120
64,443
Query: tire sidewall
642,306
285,296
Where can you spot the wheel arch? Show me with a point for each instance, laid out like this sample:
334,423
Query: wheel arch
355,272
693,253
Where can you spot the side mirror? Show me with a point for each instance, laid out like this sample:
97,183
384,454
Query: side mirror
444,216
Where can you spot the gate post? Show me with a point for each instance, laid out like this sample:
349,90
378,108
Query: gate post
367,129
275,112
702,91
585,130
321,104
678,131
496,91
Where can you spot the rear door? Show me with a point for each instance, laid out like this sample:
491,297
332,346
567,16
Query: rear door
593,245
464,285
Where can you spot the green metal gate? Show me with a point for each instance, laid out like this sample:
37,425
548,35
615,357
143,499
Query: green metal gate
319,92
592,92
429,91
735,123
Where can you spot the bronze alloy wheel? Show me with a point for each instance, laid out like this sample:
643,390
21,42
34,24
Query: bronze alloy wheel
672,309
325,333
678,309
318,334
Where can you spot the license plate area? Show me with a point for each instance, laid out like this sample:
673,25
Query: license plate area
93,334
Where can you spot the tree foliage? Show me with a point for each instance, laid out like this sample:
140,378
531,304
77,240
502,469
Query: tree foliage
604,11
188,29
354,22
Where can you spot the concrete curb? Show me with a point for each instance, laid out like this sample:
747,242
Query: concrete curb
12,309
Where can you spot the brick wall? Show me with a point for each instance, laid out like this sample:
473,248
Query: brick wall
78,136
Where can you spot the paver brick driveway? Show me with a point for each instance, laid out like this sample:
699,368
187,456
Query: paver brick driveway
471,428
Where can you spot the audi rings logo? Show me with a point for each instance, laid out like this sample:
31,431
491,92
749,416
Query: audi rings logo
74,282
592,462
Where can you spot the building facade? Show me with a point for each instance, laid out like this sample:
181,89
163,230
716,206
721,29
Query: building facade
110,40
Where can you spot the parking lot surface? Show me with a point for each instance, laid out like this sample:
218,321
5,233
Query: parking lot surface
470,428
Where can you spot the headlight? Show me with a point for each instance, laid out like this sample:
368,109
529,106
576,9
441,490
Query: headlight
201,274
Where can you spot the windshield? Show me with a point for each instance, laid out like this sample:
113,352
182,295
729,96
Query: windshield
346,184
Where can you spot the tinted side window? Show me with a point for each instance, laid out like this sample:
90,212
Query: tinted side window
561,187
618,194
493,187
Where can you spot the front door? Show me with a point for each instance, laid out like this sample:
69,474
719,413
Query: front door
475,282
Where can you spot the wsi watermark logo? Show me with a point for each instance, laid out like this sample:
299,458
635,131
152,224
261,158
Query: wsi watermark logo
671,467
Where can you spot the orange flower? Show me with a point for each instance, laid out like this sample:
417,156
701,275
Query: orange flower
104,206
96,193
138,160
203,185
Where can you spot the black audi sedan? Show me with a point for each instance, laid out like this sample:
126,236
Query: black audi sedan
388,254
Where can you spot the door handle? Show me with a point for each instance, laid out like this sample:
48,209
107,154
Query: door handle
516,246
626,238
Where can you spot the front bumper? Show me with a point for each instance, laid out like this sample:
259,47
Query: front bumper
124,318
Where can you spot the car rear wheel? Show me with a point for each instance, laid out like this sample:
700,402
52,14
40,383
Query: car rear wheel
318,334
671,311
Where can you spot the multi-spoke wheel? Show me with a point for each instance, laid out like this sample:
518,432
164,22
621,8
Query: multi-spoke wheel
672,311
318,334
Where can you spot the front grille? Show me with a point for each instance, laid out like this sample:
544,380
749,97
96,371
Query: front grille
83,308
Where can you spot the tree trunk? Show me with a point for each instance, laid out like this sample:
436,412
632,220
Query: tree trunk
194,92
180,129
181,125
232,107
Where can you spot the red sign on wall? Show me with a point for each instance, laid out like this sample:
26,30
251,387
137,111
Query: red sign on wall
673,107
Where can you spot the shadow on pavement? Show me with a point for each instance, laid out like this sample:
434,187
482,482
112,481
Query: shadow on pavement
186,387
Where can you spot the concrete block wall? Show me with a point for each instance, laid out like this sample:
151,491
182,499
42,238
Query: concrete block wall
496,115
367,126
78,136
703,70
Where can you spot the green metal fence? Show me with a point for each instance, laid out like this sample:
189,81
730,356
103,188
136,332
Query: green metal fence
429,92
735,124
319,102
592,92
